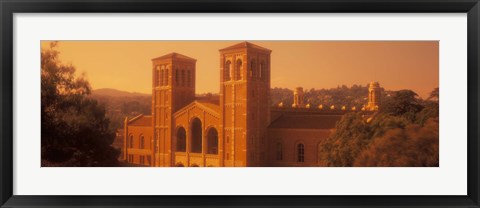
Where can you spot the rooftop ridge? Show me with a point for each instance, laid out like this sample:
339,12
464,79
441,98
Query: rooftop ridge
245,44
174,55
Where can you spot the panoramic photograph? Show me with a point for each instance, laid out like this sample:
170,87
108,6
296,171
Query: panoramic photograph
239,103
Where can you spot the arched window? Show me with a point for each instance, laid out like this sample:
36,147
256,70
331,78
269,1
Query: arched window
176,76
261,72
238,70
300,153
142,142
279,151
226,71
196,136
253,69
162,73
166,77
181,140
212,141
183,77
189,79
156,76
130,142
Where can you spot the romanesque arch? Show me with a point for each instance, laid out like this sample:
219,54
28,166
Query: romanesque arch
130,141
238,70
212,141
253,69
262,71
196,136
141,142
181,140
226,70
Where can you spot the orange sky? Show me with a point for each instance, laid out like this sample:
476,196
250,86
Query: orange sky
126,65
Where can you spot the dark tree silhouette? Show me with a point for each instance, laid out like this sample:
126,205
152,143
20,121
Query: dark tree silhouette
74,130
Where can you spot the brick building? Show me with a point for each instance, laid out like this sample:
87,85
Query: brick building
237,128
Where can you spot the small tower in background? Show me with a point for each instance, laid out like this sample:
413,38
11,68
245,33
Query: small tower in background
298,98
374,93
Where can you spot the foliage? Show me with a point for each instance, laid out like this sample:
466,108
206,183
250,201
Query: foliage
404,103
74,129
341,148
412,146
119,107
403,133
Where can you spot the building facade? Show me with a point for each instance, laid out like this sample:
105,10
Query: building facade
237,128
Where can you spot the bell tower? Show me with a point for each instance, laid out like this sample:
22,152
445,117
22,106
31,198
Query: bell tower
245,103
173,87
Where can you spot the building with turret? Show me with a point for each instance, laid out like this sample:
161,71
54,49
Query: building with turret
237,128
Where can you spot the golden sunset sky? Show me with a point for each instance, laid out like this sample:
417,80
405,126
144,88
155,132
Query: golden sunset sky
396,65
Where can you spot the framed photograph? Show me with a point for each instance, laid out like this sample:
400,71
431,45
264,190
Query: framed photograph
231,103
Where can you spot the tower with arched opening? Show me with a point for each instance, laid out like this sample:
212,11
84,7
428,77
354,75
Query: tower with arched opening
173,87
245,102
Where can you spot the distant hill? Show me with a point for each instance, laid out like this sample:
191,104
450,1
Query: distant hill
116,93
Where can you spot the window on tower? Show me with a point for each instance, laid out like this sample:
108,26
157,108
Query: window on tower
189,78
226,71
166,77
176,76
253,69
183,77
161,77
238,70
156,74
261,72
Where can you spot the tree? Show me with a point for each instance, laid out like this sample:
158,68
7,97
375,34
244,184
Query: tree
352,134
74,128
413,146
434,95
404,103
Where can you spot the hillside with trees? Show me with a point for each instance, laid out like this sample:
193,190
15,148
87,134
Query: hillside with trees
121,104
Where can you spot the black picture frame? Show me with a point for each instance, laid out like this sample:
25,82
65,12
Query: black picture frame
9,7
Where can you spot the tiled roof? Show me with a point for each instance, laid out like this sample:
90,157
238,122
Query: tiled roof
140,120
174,55
304,121
245,44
